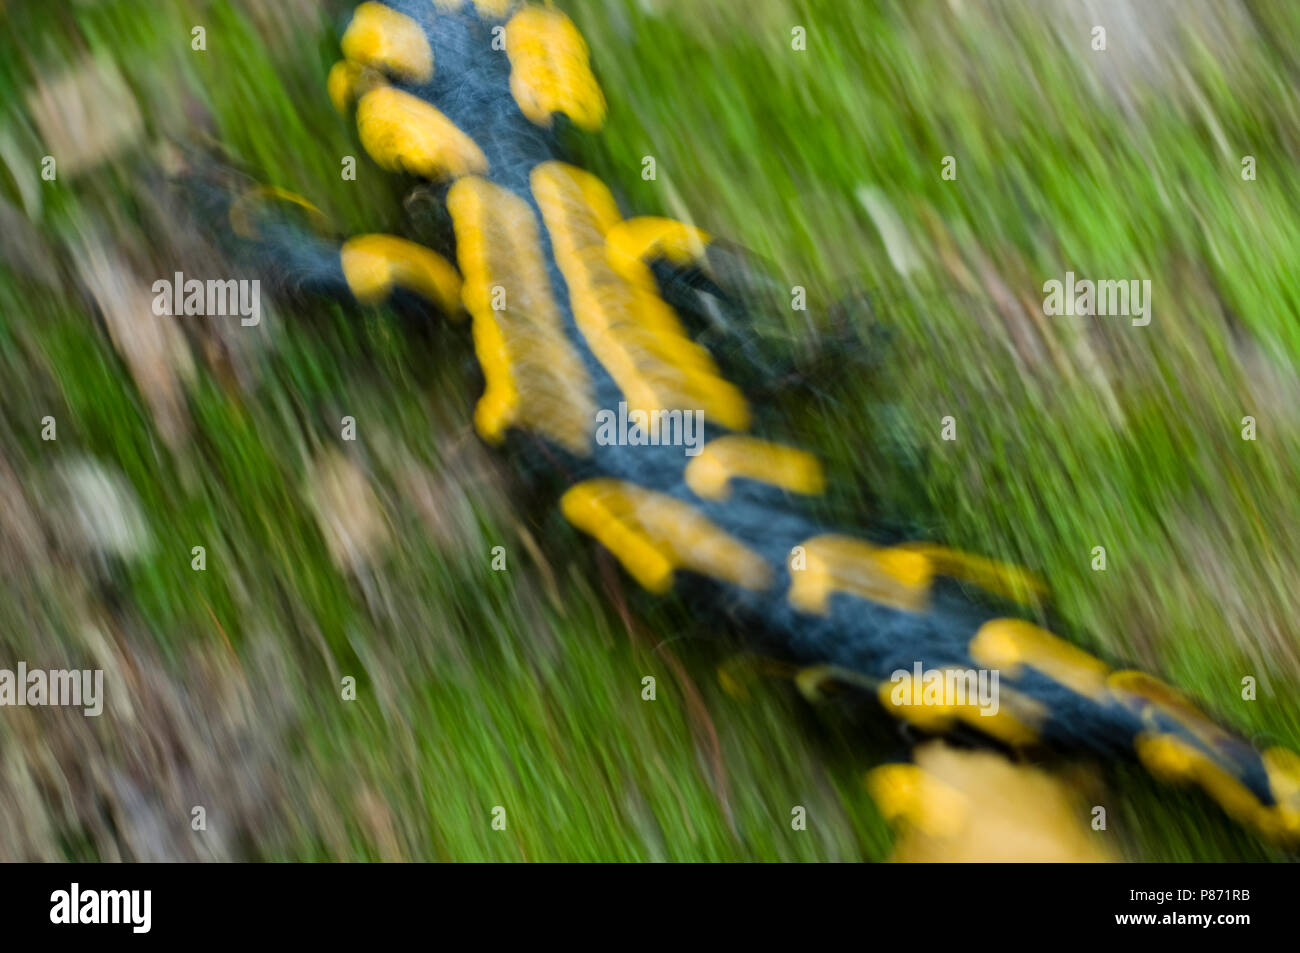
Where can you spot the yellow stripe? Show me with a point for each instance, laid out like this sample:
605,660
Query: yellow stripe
494,9
1015,722
638,241
342,84
1145,695
1172,758
905,793
631,330
1283,820
899,576
1008,644
889,576
653,534
957,806
1175,760
1010,582
374,264
405,134
535,378
549,69
389,41
709,474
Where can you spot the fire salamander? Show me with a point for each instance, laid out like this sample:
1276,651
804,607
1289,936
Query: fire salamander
568,320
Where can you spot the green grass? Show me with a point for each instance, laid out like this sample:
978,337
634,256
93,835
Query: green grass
523,689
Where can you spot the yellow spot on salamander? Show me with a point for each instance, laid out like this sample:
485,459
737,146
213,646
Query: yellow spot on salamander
954,697
341,83
348,81
1009,644
639,241
376,264
405,134
1010,582
384,39
957,806
890,576
494,9
906,794
1177,761
815,682
535,377
1173,758
1283,769
653,535
709,475
1282,821
631,330
1148,697
549,69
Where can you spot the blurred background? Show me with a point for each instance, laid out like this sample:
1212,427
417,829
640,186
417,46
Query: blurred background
328,559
